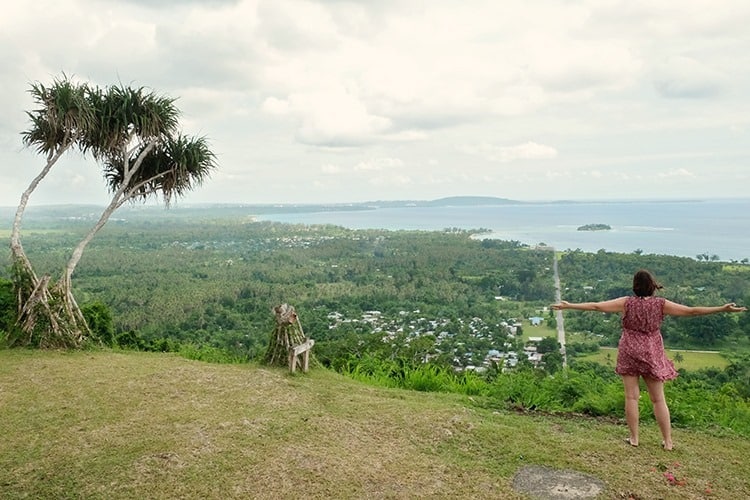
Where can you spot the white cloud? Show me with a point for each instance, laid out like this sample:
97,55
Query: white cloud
579,67
503,154
391,180
677,172
356,100
379,164
685,77
331,169
274,106
334,117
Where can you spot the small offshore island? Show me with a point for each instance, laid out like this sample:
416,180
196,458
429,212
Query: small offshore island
595,227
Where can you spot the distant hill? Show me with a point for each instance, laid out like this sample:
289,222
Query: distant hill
187,209
450,201
461,201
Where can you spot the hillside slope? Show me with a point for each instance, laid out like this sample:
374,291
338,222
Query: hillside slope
139,425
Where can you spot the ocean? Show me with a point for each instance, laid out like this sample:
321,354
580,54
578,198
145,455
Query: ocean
717,228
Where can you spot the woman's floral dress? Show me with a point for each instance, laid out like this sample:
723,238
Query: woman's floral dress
641,348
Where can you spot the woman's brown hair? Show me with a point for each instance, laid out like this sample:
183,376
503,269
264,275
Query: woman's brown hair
644,284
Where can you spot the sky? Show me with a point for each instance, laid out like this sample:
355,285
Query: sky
335,101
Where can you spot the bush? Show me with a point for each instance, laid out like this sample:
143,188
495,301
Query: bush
427,378
469,383
100,321
607,399
131,340
525,389
373,370
8,306
165,345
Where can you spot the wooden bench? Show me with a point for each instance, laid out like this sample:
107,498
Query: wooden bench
302,349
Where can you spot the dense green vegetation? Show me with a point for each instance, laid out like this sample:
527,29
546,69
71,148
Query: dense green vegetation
216,281
604,275
398,308
595,227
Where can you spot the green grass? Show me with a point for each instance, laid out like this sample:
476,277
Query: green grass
542,330
737,268
692,360
146,425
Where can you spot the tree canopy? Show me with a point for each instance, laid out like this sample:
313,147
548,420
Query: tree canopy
132,133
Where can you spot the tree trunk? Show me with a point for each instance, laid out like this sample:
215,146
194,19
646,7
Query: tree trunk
48,316
36,322
27,280
75,257
287,333
15,234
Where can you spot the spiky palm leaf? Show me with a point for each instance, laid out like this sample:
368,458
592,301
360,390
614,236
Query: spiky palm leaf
63,115
125,115
174,167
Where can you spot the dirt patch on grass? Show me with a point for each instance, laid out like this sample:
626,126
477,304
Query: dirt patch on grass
555,484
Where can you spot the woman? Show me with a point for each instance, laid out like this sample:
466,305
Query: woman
640,352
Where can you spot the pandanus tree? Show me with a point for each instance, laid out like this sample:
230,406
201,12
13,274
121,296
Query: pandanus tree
132,134
63,117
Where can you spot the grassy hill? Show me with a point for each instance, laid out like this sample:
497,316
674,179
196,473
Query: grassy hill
139,425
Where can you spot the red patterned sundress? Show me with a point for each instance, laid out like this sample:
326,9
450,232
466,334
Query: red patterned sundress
641,348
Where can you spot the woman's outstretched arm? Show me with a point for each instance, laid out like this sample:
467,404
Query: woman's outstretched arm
608,306
675,309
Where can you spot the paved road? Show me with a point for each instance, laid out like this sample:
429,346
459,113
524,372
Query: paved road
558,314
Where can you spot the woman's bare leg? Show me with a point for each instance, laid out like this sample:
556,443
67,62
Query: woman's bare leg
632,394
661,410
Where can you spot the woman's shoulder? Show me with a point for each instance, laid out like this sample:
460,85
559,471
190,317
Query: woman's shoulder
658,302
652,299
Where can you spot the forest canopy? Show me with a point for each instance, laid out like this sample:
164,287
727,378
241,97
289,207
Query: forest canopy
213,275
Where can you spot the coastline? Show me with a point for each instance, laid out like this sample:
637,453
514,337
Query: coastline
719,228
686,229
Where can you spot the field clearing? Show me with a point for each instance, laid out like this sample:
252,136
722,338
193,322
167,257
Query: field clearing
537,331
691,360
5,233
736,268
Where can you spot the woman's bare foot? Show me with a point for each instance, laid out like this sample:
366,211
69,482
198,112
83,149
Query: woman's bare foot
667,447
631,442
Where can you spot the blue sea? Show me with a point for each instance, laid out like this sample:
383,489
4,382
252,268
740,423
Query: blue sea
718,228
